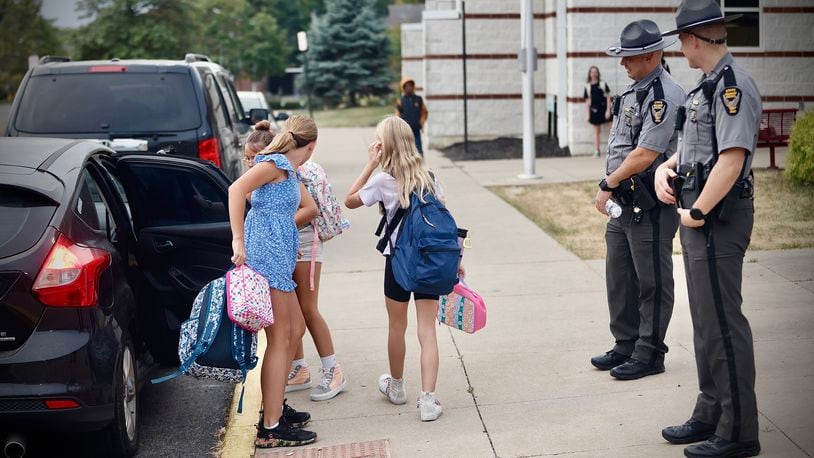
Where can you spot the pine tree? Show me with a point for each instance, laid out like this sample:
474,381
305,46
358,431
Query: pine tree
348,55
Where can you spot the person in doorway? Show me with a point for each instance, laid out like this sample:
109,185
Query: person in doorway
598,104
411,108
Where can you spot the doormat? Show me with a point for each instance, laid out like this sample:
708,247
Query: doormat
371,449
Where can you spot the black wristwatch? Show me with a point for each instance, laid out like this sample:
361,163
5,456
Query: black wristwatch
697,214
603,185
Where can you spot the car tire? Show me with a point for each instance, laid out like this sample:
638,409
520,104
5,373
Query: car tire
123,432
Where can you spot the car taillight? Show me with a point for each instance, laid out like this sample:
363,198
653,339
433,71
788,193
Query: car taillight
70,275
209,150
56,404
107,68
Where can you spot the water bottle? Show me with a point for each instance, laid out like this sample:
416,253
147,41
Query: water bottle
613,209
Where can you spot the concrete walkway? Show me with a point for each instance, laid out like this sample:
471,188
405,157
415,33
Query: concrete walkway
523,386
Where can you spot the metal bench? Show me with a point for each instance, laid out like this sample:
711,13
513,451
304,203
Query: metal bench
775,128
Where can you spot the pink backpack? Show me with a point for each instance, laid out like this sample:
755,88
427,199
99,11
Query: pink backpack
462,309
248,299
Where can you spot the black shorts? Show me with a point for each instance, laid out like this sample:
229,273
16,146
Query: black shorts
394,291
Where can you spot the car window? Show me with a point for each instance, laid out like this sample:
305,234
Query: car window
92,208
108,103
170,196
215,97
117,186
231,100
25,216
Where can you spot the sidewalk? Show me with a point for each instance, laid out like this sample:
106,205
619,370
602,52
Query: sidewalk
523,386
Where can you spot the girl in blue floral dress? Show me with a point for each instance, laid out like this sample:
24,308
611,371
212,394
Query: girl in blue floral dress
268,240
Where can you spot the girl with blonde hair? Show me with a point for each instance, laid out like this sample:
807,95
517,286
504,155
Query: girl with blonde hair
403,172
267,239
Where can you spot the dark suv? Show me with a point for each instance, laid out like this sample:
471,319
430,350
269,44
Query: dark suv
188,107
101,256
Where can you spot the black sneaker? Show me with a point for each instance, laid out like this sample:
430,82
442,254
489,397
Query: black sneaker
283,435
609,360
633,369
291,416
716,447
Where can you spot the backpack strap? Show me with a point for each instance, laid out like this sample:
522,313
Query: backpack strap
239,353
313,254
391,227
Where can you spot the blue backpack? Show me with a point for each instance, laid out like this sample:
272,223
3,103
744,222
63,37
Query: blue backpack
426,253
212,346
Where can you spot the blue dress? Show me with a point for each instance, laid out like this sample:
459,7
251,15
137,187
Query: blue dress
271,234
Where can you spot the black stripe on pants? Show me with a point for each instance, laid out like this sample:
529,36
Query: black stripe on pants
725,335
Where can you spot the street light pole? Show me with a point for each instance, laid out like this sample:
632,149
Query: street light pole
302,45
528,64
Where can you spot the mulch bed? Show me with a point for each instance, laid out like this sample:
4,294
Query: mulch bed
503,148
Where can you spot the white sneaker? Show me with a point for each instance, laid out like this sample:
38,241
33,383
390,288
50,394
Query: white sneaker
396,395
429,406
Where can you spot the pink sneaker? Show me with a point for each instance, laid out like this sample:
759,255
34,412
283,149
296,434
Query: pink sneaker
298,379
332,383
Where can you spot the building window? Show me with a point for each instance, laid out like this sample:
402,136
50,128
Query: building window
743,32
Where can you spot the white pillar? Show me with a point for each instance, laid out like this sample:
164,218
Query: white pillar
562,74
528,59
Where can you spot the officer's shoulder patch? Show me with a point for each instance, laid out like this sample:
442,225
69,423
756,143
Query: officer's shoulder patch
731,97
658,108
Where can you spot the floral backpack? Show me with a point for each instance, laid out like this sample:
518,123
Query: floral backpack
329,221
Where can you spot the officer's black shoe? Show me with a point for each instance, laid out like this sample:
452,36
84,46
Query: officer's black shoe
721,448
609,360
633,369
691,431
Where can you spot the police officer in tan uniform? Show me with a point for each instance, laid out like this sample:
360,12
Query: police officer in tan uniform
711,179
639,263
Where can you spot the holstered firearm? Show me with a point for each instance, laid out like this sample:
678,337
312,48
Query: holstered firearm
637,190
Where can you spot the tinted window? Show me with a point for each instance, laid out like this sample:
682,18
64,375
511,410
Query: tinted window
231,104
25,215
216,99
108,102
174,196
91,207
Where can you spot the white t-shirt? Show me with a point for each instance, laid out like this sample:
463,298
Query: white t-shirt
384,188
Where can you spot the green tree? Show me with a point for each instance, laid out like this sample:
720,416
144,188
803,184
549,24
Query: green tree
129,29
348,55
266,51
23,32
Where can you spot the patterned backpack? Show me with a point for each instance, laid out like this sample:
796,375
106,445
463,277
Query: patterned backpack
329,221
211,345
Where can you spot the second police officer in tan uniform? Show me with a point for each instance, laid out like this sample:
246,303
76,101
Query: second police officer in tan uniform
639,265
711,177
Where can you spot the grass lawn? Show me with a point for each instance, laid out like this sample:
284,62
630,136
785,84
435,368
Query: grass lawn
351,117
784,214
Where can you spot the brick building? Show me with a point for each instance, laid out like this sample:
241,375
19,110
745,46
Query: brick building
774,42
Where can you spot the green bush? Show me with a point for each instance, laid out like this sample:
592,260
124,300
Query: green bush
800,160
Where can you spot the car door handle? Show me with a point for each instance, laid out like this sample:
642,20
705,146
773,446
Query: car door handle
163,245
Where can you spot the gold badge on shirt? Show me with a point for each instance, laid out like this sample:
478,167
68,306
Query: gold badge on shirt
657,110
731,96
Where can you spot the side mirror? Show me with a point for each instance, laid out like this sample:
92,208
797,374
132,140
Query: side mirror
258,114
280,116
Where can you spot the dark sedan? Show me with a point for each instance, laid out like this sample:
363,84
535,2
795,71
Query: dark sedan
100,257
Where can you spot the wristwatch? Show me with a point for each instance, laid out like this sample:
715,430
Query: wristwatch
697,214
603,185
